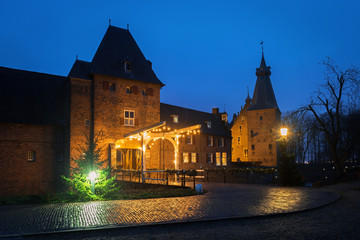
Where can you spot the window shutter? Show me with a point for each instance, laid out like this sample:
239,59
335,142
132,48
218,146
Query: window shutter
121,121
106,85
136,122
150,92
134,89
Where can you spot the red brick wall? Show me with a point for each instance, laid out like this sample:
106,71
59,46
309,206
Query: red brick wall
109,107
80,99
265,133
20,176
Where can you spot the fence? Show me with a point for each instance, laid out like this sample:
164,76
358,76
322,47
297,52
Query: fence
174,177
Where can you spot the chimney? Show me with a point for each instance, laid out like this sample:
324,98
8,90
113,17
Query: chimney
215,110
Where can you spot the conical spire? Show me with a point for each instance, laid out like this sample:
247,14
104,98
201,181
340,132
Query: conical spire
248,99
263,97
262,64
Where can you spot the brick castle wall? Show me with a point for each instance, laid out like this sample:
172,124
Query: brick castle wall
20,176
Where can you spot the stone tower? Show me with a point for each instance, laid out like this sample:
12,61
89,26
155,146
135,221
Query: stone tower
254,128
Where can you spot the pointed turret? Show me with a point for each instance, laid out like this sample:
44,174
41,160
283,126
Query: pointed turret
264,97
248,99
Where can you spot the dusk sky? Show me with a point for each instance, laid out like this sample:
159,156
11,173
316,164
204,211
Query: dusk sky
206,52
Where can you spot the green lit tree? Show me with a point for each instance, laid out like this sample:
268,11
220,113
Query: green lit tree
89,161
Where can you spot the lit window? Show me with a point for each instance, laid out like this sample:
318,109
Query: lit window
221,142
129,119
208,124
31,156
223,158
209,157
127,66
218,160
224,117
193,157
185,157
128,90
246,152
175,118
189,139
210,141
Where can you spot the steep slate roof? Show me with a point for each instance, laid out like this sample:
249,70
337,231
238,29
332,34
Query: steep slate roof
81,69
116,47
189,117
264,97
31,97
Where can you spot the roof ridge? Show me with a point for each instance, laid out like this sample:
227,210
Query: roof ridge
29,71
187,108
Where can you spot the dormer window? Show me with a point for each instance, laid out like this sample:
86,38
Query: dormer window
144,92
175,118
128,90
127,66
224,117
208,124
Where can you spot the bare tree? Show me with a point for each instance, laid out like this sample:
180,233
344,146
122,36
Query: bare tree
330,104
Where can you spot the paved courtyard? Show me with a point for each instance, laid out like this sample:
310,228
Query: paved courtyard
220,202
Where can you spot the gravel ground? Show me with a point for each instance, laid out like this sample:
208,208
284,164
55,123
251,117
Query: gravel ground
340,220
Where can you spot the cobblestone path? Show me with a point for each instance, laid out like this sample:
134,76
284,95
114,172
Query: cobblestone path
222,201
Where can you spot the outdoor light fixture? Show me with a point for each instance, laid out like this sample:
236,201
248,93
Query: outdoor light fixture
92,176
283,131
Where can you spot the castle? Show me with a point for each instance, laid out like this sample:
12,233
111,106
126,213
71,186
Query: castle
115,99
254,129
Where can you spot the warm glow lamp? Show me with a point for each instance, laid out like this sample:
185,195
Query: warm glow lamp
283,131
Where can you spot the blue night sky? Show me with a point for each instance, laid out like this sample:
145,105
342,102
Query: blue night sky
206,52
